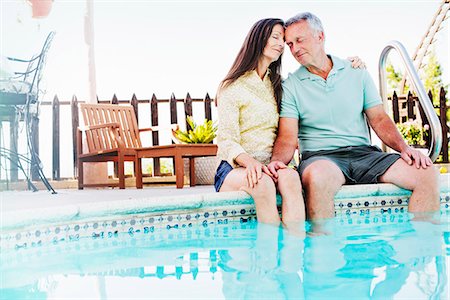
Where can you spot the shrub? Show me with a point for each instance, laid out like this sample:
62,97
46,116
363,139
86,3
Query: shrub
200,134
413,133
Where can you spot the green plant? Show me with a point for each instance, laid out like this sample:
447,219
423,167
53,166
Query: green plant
413,133
199,134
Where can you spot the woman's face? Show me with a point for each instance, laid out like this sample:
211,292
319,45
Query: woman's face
275,44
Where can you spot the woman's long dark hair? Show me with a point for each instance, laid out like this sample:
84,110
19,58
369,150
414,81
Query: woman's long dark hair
251,51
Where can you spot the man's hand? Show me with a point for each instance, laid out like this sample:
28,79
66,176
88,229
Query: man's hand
412,156
357,63
273,167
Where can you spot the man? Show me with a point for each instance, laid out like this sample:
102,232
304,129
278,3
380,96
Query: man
325,105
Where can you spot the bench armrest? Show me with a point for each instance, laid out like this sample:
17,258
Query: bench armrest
105,125
113,129
160,128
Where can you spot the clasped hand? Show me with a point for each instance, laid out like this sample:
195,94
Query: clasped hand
255,170
273,168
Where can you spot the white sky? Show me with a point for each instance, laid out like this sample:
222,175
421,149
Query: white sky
161,47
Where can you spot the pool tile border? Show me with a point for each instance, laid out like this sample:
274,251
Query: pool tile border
108,226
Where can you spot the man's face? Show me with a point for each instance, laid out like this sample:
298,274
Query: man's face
305,44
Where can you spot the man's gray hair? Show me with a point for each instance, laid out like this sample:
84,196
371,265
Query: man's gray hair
313,21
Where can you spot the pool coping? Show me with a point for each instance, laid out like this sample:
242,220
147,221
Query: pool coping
19,218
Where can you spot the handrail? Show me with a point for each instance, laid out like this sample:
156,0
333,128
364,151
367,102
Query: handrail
435,125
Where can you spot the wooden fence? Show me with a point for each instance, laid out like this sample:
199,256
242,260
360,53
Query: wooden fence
408,107
154,116
403,109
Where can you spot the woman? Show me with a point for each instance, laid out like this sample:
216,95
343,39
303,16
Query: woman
248,104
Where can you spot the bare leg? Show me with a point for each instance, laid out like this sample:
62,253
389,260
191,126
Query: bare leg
322,180
293,205
424,184
264,194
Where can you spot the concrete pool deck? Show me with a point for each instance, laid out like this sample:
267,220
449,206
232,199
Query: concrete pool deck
22,208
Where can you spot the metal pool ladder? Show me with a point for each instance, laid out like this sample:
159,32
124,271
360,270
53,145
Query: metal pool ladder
435,125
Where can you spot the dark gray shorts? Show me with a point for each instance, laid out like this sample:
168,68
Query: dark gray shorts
360,164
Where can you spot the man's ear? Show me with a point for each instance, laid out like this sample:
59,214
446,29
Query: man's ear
322,36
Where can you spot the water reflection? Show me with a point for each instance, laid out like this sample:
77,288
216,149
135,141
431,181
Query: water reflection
400,260
269,269
367,257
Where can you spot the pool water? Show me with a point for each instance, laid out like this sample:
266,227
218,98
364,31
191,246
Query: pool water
372,256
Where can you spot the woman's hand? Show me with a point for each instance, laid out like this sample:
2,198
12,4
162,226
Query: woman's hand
357,63
253,168
254,171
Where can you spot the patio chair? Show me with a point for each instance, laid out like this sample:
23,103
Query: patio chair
22,87
112,134
19,100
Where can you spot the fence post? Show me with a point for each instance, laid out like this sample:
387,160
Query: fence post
173,118
114,100
35,146
423,117
395,110
155,134
443,117
75,124
188,110
56,174
208,107
173,109
425,121
134,102
410,106
14,147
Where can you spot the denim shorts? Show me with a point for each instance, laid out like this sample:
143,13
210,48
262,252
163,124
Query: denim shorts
360,164
222,171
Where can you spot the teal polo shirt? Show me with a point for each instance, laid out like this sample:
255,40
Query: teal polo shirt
331,111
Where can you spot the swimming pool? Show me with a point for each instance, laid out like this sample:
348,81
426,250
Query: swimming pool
109,244
362,256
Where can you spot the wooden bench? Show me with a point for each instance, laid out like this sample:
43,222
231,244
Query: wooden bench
112,134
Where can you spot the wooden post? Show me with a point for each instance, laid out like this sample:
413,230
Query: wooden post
395,110
425,121
208,114
56,174
114,100
443,117
134,102
173,109
155,134
14,146
75,124
35,146
188,110
430,97
173,120
423,117
410,106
